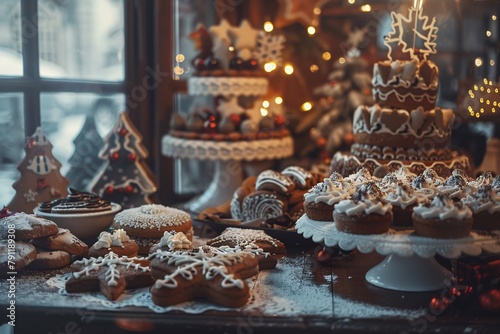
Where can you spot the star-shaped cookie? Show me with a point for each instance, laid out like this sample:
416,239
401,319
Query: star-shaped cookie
110,274
245,36
220,32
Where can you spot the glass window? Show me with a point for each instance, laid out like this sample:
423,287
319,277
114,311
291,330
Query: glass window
10,38
82,39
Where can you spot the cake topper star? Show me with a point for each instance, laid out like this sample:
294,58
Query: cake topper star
220,33
245,36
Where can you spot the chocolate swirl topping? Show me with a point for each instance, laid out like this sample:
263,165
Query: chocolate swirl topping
76,202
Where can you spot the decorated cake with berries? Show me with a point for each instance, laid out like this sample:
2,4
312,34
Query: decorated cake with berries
229,84
403,128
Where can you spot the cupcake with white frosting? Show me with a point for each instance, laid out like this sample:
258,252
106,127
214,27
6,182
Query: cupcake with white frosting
366,212
320,200
403,199
485,205
442,218
456,186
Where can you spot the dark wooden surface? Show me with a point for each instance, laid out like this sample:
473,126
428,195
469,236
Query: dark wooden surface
342,280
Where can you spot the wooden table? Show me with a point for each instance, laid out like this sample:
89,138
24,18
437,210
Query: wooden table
330,298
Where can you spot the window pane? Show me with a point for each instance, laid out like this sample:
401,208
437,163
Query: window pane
11,142
64,116
82,39
10,38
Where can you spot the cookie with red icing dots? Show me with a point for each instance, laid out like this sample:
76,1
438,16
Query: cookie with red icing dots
187,275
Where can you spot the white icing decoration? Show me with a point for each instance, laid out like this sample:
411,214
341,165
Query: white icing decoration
271,176
175,240
401,197
110,262
485,199
152,216
329,192
298,174
242,238
228,86
209,265
269,48
442,207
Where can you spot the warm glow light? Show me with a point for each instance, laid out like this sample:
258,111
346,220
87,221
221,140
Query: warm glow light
494,17
488,102
268,26
327,55
231,48
342,60
481,110
180,58
351,2
485,81
178,70
488,33
306,106
496,90
492,62
481,100
417,4
366,8
493,110
264,112
478,62
317,11
311,30
278,100
475,87
477,115
481,89
269,67
488,91
314,68
265,104
288,69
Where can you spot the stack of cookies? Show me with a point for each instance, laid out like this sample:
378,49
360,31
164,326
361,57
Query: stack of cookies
37,243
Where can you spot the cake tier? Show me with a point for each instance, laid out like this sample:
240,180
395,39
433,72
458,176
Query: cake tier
233,136
227,86
403,128
405,84
390,153
347,164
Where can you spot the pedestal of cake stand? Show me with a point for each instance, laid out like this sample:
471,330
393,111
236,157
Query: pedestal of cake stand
227,177
228,158
409,273
410,263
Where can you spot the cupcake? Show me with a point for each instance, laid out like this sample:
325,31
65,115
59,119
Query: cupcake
403,174
320,200
456,186
147,224
403,199
485,206
442,218
423,187
483,179
366,212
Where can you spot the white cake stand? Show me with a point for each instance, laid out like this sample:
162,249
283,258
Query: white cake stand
227,157
410,263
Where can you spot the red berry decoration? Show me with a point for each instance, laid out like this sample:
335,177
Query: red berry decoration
210,127
122,132
236,119
131,157
128,189
114,156
251,65
490,300
199,64
109,190
438,306
279,121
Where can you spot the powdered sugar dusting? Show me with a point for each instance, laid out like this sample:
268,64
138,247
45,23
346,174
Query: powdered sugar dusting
152,216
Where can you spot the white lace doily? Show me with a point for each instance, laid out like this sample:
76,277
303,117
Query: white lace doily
403,243
266,149
228,86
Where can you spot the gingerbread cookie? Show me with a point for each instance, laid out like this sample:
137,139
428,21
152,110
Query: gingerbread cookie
233,237
14,256
63,240
110,274
302,178
118,243
190,275
50,259
271,180
27,226
247,187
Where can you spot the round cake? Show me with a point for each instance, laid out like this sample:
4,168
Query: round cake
403,128
147,224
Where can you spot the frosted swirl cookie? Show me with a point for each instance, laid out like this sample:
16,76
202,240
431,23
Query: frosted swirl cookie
320,201
147,224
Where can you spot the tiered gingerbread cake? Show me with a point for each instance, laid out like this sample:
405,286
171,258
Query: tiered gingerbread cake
404,128
230,79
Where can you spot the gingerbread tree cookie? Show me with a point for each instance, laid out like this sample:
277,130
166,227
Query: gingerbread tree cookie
125,178
40,178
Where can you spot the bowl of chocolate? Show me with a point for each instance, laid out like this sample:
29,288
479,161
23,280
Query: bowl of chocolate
84,214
